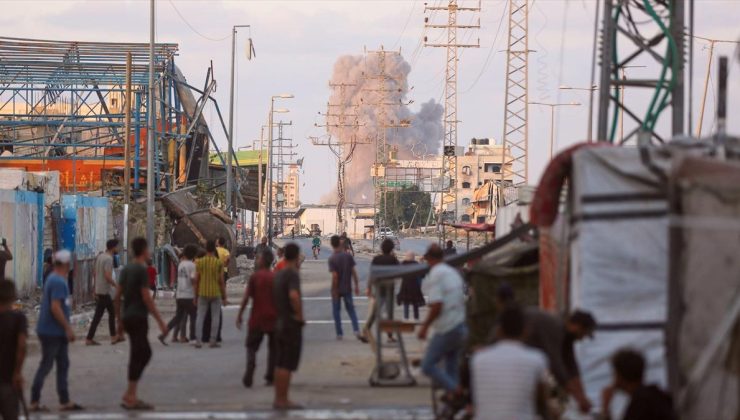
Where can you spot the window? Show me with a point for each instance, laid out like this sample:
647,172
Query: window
465,218
492,167
466,201
466,170
481,219
466,185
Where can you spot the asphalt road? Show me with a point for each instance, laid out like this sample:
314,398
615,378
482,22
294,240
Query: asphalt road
188,383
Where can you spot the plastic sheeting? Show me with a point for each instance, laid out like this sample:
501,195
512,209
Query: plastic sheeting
22,224
619,259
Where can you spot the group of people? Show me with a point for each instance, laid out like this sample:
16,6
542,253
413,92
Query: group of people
531,352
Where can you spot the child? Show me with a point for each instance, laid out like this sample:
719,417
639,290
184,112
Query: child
184,297
13,334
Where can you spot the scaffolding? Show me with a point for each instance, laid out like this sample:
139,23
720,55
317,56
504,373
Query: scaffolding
64,107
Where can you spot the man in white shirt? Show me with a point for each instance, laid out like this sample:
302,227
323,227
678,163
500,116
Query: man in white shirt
508,378
446,302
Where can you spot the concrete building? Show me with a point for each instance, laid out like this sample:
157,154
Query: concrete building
482,162
358,219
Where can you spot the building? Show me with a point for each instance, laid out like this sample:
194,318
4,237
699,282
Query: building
358,219
481,163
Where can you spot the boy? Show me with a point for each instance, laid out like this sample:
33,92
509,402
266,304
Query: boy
184,297
13,335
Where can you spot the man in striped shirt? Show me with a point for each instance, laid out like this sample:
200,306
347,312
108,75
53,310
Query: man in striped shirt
210,292
509,377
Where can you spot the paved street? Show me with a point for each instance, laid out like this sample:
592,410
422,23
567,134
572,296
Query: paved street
188,383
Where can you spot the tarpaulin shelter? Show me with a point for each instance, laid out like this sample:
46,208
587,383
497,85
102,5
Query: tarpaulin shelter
657,277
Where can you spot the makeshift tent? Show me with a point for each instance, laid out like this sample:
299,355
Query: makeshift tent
651,241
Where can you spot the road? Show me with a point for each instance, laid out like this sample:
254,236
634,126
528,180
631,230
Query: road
188,383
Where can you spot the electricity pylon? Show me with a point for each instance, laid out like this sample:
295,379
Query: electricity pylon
449,147
516,96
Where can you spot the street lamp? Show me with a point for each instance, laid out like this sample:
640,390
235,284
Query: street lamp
591,90
230,151
552,118
269,159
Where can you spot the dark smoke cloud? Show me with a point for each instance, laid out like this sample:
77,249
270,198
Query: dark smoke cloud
423,136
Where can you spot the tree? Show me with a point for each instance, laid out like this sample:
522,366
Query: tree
402,205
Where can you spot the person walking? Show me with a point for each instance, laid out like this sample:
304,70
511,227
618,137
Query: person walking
223,254
105,286
289,327
508,378
5,256
347,244
184,296
262,318
210,293
133,304
343,273
13,337
410,294
446,301
55,333
386,294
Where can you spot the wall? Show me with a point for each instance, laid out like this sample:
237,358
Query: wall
22,224
83,228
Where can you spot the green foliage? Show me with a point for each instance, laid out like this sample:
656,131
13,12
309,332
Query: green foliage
401,206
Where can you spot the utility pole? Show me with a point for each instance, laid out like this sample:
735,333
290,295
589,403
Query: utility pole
516,97
449,147
127,144
270,160
341,142
552,120
230,151
712,43
386,84
150,112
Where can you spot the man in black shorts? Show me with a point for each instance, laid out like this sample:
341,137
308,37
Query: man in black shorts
289,327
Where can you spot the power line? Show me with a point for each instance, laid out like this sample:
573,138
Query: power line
192,28
490,50
405,25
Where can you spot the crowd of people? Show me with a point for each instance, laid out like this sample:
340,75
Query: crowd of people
525,371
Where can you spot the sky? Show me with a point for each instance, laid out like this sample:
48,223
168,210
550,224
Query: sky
298,41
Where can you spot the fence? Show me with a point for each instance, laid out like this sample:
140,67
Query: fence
22,225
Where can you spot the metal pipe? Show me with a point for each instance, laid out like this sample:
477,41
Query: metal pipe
127,142
150,135
706,89
269,173
230,137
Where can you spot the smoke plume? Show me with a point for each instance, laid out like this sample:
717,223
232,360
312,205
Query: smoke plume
357,80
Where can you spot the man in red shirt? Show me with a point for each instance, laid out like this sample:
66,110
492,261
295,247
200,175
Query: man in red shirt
262,317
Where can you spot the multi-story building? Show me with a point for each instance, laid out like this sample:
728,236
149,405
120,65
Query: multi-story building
481,163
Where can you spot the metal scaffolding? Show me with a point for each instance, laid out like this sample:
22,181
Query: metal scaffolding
64,107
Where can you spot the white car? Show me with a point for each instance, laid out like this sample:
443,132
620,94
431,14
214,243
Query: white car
386,232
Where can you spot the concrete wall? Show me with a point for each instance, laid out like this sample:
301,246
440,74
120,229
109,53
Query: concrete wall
22,224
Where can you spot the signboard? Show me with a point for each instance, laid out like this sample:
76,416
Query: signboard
418,164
